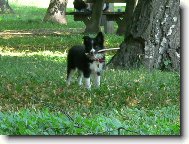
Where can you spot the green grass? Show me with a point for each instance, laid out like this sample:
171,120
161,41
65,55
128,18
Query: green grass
40,80
33,89
51,43
32,18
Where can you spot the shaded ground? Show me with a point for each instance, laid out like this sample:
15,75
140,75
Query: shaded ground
39,39
39,32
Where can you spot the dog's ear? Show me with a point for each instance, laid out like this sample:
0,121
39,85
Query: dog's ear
86,39
100,38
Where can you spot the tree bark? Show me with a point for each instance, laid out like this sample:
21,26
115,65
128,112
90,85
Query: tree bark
4,7
56,11
152,37
93,25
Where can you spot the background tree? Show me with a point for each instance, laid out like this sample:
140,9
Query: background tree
131,4
152,36
93,26
4,7
56,11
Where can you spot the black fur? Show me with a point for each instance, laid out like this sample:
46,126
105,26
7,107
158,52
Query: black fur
77,59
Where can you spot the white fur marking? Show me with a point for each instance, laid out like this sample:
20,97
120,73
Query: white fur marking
80,78
70,77
97,80
92,50
87,83
96,66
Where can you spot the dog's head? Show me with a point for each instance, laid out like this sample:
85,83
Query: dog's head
93,45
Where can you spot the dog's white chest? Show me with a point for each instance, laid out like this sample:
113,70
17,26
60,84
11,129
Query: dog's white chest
96,66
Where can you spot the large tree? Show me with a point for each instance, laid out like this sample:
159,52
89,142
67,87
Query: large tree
152,36
56,11
4,7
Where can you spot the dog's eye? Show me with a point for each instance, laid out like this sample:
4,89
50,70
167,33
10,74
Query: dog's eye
97,47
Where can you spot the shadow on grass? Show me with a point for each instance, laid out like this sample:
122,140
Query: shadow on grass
39,43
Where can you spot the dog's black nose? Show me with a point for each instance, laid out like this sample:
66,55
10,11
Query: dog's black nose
92,53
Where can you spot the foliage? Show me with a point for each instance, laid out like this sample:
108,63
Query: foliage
127,122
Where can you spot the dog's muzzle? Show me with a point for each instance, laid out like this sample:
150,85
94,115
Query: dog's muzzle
92,53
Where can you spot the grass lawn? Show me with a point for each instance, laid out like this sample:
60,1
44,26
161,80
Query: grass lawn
34,98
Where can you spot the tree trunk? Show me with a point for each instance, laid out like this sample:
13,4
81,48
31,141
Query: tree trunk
4,7
56,11
93,25
152,37
130,7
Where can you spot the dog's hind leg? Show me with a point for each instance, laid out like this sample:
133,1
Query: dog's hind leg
87,83
97,79
87,79
70,73
80,77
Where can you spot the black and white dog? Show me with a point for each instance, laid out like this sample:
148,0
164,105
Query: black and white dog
87,60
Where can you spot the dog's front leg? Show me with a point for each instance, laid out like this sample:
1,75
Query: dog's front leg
87,83
97,79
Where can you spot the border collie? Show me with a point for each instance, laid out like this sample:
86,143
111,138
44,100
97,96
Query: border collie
87,60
